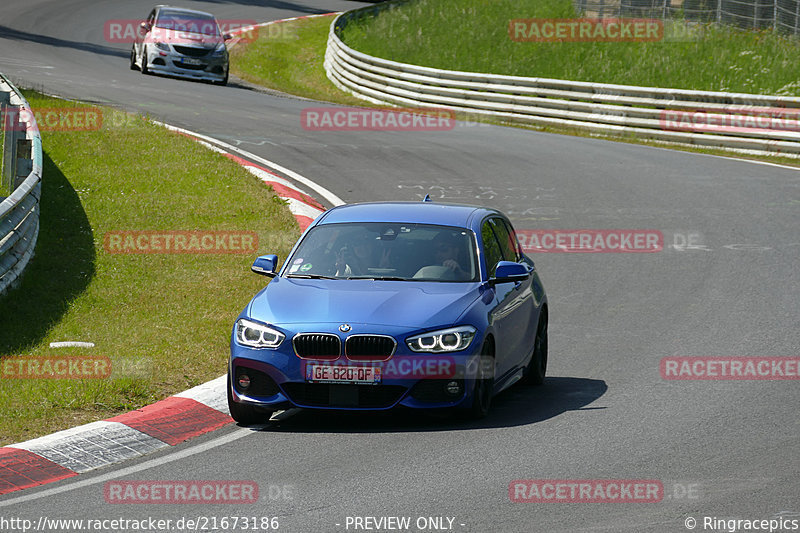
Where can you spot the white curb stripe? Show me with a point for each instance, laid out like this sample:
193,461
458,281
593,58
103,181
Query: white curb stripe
117,474
210,394
93,445
303,209
269,177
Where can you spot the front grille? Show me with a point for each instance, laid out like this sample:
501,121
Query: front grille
434,391
344,396
191,51
369,347
190,67
261,385
317,346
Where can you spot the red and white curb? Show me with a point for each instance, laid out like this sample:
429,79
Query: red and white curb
77,450
168,422
246,29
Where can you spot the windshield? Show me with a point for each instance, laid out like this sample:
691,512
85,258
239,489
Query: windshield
387,251
187,22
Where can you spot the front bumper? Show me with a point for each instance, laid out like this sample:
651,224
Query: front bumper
207,68
280,379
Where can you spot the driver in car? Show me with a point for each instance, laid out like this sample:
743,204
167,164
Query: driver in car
447,251
363,256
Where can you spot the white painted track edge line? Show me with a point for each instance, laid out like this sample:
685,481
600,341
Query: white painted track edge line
322,191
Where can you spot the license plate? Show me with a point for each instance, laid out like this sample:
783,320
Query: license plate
362,375
188,61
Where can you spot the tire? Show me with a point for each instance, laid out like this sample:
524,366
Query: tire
223,81
144,60
537,368
133,59
243,413
484,383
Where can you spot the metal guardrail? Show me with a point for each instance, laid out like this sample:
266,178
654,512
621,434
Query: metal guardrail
732,121
22,179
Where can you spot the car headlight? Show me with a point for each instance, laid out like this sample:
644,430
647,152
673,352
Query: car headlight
162,46
220,49
444,340
257,335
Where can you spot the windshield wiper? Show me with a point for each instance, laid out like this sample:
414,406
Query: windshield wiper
380,278
309,276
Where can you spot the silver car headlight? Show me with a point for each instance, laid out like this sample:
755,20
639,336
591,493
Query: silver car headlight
162,46
444,340
255,335
220,50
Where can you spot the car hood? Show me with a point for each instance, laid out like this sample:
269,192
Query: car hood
392,303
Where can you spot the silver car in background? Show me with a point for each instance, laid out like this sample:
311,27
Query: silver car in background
181,42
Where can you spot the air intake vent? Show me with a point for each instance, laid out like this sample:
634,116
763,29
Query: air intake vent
190,51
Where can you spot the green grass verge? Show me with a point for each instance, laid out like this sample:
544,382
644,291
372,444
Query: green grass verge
163,320
472,35
288,57
270,61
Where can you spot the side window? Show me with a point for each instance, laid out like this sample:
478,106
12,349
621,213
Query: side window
507,244
152,17
514,240
490,247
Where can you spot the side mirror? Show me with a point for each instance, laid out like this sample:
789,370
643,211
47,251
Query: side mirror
227,36
509,272
144,26
265,265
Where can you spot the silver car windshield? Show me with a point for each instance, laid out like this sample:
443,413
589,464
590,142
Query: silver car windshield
386,251
187,22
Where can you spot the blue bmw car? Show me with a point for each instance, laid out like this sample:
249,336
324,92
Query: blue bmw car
379,305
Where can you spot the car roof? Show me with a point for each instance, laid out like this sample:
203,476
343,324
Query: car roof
419,212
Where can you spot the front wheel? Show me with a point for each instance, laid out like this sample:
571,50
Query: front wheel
537,368
223,81
243,413
484,383
144,60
